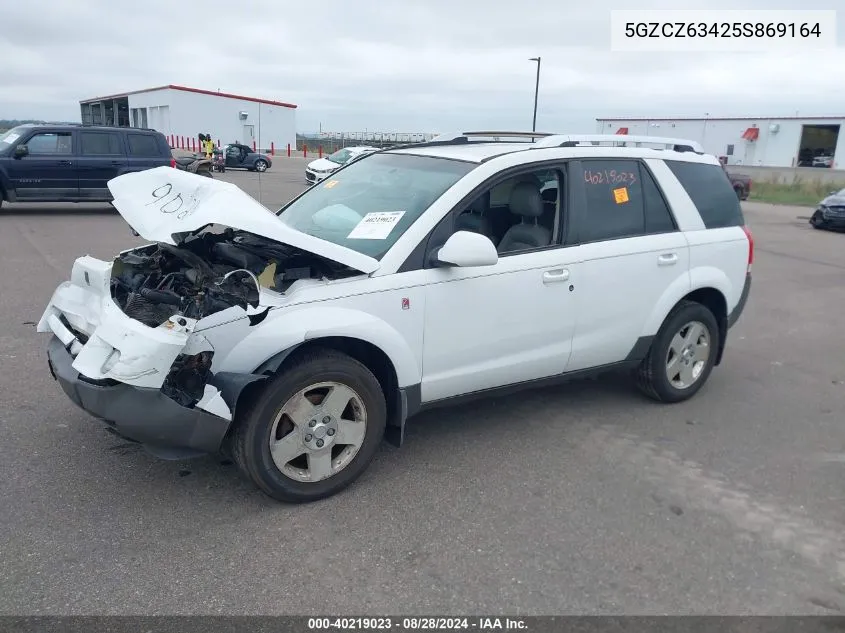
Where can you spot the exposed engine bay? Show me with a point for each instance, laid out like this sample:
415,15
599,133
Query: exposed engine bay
209,272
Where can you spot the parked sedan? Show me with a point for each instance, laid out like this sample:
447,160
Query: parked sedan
830,213
319,169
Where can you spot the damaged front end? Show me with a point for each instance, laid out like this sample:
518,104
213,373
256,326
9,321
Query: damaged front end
133,337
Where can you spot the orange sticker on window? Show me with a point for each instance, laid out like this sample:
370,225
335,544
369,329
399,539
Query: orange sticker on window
330,184
620,195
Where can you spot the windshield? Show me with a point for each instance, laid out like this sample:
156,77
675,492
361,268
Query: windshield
369,204
9,137
340,156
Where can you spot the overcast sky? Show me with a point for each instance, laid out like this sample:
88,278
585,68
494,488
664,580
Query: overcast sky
406,66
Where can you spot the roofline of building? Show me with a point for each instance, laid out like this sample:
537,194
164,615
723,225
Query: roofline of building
726,118
212,93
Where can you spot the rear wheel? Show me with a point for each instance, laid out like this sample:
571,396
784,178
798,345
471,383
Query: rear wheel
738,191
314,428
261,165
682,355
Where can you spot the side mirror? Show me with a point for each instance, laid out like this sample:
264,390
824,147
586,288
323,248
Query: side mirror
465,249
832,193
21,151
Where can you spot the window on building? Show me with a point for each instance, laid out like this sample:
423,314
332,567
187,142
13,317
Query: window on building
711,192
47,143
100,144
730,150
143,145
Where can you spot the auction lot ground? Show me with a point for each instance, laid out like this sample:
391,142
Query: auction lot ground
577,499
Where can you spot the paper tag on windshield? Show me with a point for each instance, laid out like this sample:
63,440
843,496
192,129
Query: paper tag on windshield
376,226
11,138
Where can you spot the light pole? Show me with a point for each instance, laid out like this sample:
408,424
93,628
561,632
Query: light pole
536,93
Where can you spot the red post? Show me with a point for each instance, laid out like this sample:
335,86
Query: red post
288,150
272,148
304,151
218,143
182,143
253,146
321,151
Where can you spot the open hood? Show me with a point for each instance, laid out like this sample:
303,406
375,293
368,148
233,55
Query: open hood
163,202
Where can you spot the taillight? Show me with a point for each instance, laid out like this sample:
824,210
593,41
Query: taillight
173,162
750,246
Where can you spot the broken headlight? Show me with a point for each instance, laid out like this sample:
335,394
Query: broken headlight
185,383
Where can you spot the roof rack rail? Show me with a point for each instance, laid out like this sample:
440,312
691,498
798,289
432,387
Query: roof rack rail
619,140
489,136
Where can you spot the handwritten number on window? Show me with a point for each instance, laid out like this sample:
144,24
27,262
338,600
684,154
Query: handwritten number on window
609,177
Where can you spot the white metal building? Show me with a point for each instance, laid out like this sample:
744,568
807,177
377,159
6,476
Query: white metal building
768,142
182,113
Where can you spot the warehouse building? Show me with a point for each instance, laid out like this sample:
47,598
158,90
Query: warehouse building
768,142
182,113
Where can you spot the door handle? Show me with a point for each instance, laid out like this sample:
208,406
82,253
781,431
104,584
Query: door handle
559,274
116,162
667,259
65,162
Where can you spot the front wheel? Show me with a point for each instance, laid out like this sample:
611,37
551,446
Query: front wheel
314,428
682,354
261,165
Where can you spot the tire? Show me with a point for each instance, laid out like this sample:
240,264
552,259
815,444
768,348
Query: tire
261,165
738,191
653,374
816,220
264,422
206,173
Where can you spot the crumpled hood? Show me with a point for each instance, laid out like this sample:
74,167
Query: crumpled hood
162,202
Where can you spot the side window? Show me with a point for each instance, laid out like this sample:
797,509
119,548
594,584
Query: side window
518,214
658,218
143,145
50,143
614,196
100,144
711,192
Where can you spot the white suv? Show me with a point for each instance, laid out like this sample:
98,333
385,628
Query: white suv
295,341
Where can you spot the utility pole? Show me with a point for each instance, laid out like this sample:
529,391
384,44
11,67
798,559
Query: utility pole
536,93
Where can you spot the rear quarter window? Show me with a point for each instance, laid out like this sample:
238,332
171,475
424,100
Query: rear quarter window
143,145
711,191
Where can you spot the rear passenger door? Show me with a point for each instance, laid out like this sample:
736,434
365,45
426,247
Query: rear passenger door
144,152
102,156
631,253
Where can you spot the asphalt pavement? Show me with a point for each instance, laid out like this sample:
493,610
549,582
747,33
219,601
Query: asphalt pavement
582,499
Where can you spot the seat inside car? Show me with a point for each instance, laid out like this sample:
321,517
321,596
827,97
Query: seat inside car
474,220
527,203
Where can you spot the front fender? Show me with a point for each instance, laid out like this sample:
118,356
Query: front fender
286,328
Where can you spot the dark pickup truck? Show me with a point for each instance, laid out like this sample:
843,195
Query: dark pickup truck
73,163
740,183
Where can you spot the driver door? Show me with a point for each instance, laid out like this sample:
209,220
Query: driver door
234,156
512,322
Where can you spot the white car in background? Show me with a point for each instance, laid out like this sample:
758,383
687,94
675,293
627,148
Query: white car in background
319,169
